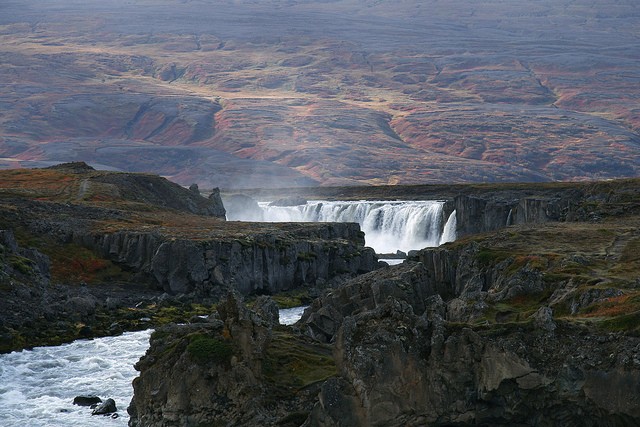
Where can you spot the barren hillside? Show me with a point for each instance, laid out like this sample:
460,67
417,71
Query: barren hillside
294,93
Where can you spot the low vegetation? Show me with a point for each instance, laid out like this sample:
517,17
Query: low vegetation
589,271
293,362
205,349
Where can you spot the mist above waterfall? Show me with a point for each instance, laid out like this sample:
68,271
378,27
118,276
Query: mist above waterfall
388,226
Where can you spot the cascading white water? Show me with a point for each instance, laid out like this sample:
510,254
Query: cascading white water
449,232
388,226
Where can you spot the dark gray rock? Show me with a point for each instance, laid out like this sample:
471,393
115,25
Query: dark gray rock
309,255
407,282
488,212
229,392
543,319
401,369
107,407
86,400
215,205
289,201
268,309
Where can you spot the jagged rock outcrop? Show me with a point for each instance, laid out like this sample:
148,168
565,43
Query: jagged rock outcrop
217,373
24,281
312,255
398,369
452,273
476,214
407,282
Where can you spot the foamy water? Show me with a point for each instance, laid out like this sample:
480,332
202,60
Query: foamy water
289,316
37,386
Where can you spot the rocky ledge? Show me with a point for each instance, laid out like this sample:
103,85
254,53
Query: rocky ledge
235,368
115,251
533,324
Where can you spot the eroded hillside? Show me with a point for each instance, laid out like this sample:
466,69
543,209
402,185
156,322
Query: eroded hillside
269,94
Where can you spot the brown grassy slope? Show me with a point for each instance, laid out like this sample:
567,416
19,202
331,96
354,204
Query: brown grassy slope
588,270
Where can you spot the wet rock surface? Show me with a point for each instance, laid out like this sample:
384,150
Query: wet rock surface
86,400
107,407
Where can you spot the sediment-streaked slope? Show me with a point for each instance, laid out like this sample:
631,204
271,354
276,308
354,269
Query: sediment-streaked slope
272,94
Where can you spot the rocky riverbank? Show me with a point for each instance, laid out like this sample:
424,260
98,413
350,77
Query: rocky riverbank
530,324
117,251
531,318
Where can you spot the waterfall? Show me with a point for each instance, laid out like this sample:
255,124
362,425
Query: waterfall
509,217
449,232
388,226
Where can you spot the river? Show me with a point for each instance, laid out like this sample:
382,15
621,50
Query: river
37,386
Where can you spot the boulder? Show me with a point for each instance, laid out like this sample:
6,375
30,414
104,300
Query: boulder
86,400
107,407
268,309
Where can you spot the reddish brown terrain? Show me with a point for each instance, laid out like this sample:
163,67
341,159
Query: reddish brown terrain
277,93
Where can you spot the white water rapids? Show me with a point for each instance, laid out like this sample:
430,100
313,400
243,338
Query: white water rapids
37,386
388,225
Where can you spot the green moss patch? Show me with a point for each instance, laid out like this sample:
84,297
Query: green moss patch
205,349
294,298
487,257
629,323
292,362
307,256
21,264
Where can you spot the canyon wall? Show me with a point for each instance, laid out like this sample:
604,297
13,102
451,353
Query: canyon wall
313,255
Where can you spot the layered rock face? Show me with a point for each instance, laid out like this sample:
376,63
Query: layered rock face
399,368
480,214
267,263
533,324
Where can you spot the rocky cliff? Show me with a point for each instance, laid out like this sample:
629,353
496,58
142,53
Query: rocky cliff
234,368
24,276
530,325
146,189
267,261
398,368
533,324
116,241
